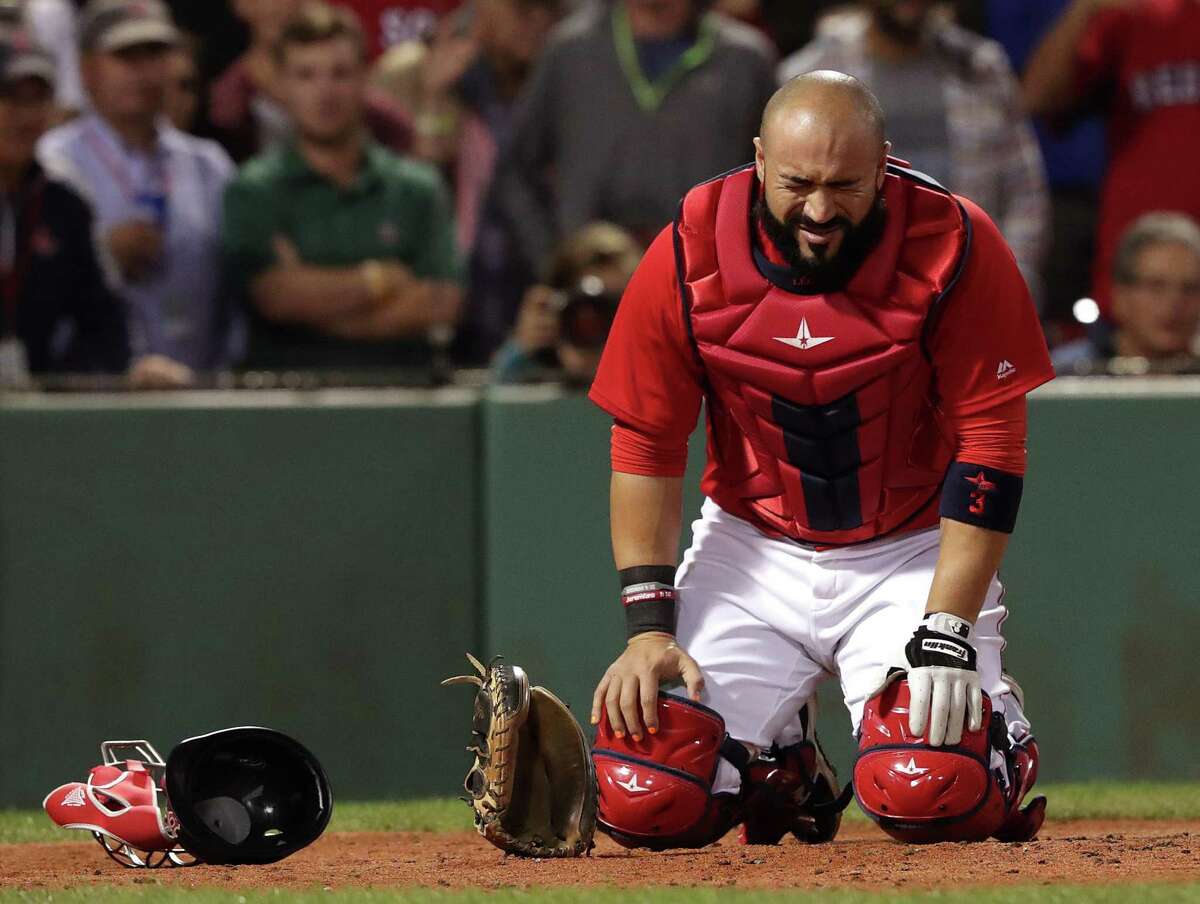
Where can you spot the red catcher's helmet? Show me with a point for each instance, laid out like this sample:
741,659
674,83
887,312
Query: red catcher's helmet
919,793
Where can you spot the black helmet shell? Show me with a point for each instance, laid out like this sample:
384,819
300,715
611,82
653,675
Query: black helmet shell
247,795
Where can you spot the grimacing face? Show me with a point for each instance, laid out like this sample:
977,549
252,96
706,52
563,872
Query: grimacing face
1159,308
323,85
819,180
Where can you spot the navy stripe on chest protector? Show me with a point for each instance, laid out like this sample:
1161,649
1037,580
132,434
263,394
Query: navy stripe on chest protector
822,442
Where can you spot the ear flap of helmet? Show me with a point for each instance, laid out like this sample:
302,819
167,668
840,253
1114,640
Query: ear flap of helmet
247,795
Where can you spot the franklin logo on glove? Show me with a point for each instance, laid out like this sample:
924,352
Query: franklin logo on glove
929,645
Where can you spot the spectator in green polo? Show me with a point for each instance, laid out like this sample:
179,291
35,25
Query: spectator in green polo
343,252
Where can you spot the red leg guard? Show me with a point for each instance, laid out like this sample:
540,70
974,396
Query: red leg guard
921,794
657,793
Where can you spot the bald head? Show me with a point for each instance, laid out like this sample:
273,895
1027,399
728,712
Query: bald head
825,99
821,158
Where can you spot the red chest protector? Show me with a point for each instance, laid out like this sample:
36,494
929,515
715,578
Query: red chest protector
822,418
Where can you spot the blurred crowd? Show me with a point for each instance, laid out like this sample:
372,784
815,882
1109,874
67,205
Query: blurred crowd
413,188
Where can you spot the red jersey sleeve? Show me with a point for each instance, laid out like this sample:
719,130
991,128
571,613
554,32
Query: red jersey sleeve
987,345
651,456
649,377
994,437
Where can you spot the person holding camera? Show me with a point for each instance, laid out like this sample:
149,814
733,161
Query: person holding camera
563,323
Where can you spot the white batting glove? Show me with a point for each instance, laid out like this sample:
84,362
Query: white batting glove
943,684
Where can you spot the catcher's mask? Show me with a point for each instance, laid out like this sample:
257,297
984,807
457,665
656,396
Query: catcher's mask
919,793
239,795
123,804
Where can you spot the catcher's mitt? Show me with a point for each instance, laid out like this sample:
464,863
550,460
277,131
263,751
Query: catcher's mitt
532,785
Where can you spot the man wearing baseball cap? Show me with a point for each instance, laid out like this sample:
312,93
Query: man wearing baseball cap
156,190
57,313
110,26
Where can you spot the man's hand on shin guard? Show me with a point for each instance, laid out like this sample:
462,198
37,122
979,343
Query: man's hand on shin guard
942,680
629,689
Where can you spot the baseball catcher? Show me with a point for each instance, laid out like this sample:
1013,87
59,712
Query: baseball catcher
532,786
240,795
861,342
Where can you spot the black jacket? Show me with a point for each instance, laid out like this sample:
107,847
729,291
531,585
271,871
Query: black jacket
66,316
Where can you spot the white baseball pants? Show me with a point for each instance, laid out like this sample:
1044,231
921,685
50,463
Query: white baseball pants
767,620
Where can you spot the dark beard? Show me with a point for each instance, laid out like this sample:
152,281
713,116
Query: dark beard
816,275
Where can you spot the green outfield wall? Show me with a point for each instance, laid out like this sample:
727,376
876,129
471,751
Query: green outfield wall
318,561
303,563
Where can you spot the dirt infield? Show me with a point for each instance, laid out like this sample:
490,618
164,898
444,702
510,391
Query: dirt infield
861,857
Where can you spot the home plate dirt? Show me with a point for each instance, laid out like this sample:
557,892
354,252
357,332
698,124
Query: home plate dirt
1075,852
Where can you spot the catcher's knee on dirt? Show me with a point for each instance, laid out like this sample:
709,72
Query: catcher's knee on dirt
921,794
657,792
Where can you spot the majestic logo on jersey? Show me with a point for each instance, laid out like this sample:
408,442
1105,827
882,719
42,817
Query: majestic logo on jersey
1005,370
804,339
632,785
910,768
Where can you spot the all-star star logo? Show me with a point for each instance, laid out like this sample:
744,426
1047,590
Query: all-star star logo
804,339
910,768
982,484
632,785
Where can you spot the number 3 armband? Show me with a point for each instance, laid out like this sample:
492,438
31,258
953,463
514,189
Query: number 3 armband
981,496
